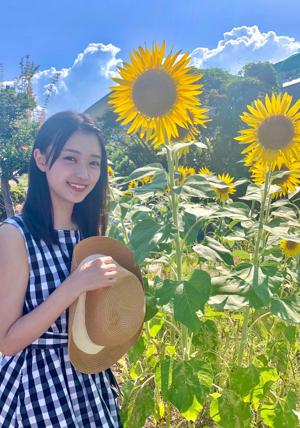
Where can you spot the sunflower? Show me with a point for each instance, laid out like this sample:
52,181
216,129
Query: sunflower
287,183
184,172
224,193
205,171
132,185
157,95
110,171
146,180
274,133
290,248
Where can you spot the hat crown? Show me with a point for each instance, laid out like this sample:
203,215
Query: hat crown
115,314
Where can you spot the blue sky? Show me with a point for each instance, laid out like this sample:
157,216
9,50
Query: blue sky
79,37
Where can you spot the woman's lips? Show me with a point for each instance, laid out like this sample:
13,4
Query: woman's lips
77,187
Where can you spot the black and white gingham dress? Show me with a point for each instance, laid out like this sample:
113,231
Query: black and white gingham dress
39,387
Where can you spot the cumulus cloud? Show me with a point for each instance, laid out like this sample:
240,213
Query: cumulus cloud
80,85
242,45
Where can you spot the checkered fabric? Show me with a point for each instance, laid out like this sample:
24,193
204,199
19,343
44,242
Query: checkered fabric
39,387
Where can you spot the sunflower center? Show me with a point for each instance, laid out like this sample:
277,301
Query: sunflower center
291,245
154,93
276,132
224,190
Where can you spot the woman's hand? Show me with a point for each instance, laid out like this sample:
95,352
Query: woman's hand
95,274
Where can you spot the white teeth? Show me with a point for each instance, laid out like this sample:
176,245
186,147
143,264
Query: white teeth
77,186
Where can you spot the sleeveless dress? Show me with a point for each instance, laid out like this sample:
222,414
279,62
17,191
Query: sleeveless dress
39,387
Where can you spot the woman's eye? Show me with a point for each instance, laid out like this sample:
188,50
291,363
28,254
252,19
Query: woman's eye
71,158
96,163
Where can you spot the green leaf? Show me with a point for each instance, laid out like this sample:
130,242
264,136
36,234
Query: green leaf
251,383
207,253
291,334
197,185
230,411
144,237
236,210
241,254
253,193
166,291
156,324
181,146
158,184
137,350
287,309
144,171
276,415
143,407
183,381
191,297
151,307
243,380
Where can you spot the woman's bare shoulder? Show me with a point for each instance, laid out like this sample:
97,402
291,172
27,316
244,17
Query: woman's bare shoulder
11,239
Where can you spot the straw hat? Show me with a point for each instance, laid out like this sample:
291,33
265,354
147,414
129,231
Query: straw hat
104,324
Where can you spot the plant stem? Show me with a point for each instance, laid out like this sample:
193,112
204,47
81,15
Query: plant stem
171,158
262,219
120,218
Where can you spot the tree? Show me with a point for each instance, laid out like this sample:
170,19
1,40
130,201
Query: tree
264,72
18,128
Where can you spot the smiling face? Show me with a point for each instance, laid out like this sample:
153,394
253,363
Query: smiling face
74,174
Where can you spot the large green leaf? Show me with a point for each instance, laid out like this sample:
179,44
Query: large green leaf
207,253
143,407
145,236
190,298
181,146
144,171
253,193
230,411
197,185
281,415
252,383
158,184
236,210
228,293
165,290
183,381
287,309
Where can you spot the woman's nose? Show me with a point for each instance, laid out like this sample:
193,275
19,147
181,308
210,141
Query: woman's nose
82,172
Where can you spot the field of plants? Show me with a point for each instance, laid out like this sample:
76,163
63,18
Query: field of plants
221,342
220,347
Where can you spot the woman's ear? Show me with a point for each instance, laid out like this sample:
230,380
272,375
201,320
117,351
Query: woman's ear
40,160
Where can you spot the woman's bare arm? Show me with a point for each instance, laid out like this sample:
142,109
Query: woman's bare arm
17,331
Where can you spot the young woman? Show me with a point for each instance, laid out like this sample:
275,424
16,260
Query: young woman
66,202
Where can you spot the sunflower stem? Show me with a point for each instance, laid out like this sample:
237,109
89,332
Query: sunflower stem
174,206
262,219
120,218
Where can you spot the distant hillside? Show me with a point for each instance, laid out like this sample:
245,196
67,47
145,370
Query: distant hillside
288,69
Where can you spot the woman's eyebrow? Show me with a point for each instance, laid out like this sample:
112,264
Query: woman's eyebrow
78,152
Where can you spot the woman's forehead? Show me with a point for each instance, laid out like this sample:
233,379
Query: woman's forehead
86,143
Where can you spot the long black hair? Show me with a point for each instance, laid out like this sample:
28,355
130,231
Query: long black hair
90,214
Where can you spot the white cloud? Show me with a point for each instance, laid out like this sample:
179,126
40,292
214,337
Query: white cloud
245,44
80,85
